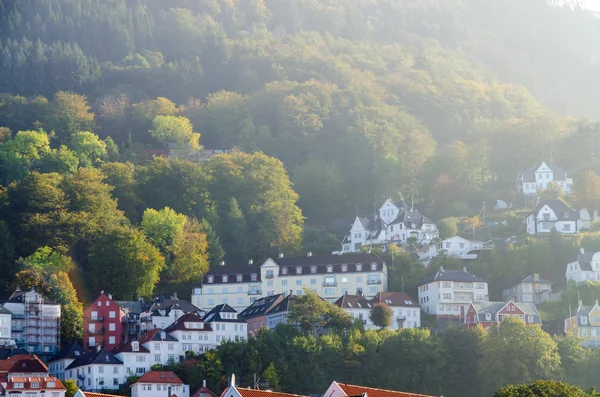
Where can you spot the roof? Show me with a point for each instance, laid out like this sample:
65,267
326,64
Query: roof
284,305
353,302
102,356
92,394
232,270
160,377
262,393
215,314
559,173
531,279
179,324
492,308
353,390
127,348
260,306
4,310
134,307
204,390
154,335
184,305
18,296
561,210
7,363
30,364
8,352
395,299
43,384
584,311
452,275
585,261
322,261
74,351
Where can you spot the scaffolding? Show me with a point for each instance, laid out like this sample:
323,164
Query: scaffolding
42,333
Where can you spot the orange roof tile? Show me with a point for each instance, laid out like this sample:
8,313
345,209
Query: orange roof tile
160,377
263,393
353,390
5,365
90,394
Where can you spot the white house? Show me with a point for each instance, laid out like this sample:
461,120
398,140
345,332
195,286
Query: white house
407,312
394,223
536,179
159,384
135,357
448,293
585,267
226,324
193,334
278,314
553,214
358,307
533,289
5,326
164,312
29,377
164,348
454,246
235,391
99,370
338,389
65,358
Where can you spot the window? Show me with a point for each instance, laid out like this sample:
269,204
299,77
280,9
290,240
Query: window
447,284
284,270
584,332
313,269
283,283
447,296
530,318
171,346
344,268
140,359
240,301
583,320
488,317
211,302
480,286
329,291
19,385
298,282
567,227
373,267
101,369
238,278
461,245
447,245
111,340
298,270
92,341
358,267
313,281
225,278
115,382
34,385
225,290
99,303
329,269
211,279
253,277
329,280
112,314
359,279
157,346
157,358
111,326
344,279
94,315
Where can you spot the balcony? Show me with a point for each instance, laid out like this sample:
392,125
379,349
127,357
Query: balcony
329,283
269,276
373,281
254,292
99,331
95,319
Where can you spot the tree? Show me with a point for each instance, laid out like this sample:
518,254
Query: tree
71,387
543,388
175,129
270,375
462,353
70,114
18,155
381,315
317,178
162,226
235,233
313,314
586,189
517,353
448,227
89,148
553,191
214,249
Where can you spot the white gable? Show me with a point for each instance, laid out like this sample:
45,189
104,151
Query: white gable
546,210
334,390
269,263
543,167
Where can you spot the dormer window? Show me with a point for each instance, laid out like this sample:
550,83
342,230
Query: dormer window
583,320
135,346
488,317
298,270
284,270
358,267
329,269
373,266
313,269
344,268
253,277
530,318
211,279
238,278
225,278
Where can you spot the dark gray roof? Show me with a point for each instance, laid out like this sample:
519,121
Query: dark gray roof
74,351
584,311
284,305
400,299
492,308
366,222
169,304
561,210
4,310
529,174
408,217
452,275
321,261
260,306
100,357
215,314
18,296
7,352
353,301
232,270
585,261
133,307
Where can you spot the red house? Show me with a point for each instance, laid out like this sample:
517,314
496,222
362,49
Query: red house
103,324
492,313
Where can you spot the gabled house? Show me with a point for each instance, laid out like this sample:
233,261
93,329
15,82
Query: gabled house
535,179
358,307
164,312
164,348
81,393
160,384
279,313
493,313
553,214
585,324
456,246
407,312
533,289
204,391
338,389
29,377
226,324
65,358
98,370
103,323
585,267
135,357
235,391
395,222
256,314
193,334
133,311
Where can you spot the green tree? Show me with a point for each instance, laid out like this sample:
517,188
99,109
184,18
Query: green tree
214,249
313,314
462,353
235,233
448,227
70,114
71,387
162,226
89,148
18,155
175,129
553,191
381,315
270,375
317,178
586,189
543,388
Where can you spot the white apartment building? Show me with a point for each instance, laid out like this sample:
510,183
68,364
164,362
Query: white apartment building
454,246
163,312
226,324
585,267
328,275
95,371
535,179
533,289
159,384
5,326
193,334
448,293
64,359
135,358
164,348
358,307
553,214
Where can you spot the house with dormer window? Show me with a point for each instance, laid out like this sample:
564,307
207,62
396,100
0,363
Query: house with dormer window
164,348
551,215
535,179
159,384
136,359
585,324
226,324
30,377
98,370
493,313
585,267
193,334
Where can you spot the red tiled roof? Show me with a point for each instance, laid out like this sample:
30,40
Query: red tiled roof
127,348
30,364
179,324
353,390
42,381
263,393
160,377
5,365
395,299
204,390
90,394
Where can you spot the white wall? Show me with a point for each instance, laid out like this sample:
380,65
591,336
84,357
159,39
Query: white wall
152,390
451,295
94,374
135,363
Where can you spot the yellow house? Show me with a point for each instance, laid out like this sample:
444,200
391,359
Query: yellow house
585,324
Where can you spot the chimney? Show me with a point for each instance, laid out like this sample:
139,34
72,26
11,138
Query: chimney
368,251
174,297
250,261
536,277
464,269
346,293
102,292
596,302
18,289
109,296
582,250
222,263
580,302
442,268
204,383
281,254
309,253
98,347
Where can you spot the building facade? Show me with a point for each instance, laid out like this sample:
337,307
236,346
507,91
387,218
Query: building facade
29,377
551,215
65,358
159,384
163,312
585,324
5,326
135,358
395,223
448,293
193,334
164,348
585,267
493,313
96,371
535,179
532,289
256,314
103,324
35,322
407,312
456,246
226,324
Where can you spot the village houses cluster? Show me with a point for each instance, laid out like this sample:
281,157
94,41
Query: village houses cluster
235,301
